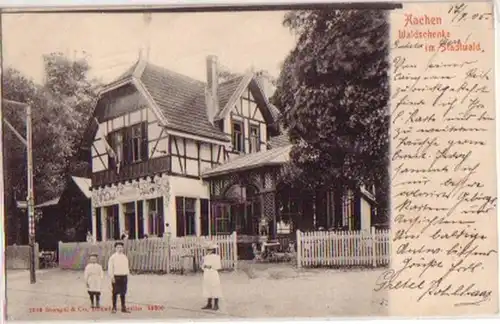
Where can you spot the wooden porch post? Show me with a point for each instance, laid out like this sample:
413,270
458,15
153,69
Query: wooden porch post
145,215
136,220
170,212
338,206
209,230
357,209
197,217
94,224
121,219
104,223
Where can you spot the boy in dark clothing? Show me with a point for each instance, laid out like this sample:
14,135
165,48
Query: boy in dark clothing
118,271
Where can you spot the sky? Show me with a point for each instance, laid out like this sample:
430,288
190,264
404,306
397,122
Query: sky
177,41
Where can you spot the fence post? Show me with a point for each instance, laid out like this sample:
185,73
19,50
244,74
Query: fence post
37,258
374,246
169,252
299,250
235,250
59,249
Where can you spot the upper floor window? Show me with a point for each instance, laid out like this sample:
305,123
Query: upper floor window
116,139
237,137
254,139
137,143
130,144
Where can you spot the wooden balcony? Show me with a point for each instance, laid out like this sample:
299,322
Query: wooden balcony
132,171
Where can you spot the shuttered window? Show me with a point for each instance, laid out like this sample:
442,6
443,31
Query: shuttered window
186,214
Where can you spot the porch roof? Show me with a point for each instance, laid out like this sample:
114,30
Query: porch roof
84,185
276,156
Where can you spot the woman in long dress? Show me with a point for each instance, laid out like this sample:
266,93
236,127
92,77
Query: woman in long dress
211,280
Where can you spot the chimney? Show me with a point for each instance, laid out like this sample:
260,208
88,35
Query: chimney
267,87
212,85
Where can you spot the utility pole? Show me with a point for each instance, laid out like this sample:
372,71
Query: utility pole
31,195
28,142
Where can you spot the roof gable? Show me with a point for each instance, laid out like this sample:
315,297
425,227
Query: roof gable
119,101
250,82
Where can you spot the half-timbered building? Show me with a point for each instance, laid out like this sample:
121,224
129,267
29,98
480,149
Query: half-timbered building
173,155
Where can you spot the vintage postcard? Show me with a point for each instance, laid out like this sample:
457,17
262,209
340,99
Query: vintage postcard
244,163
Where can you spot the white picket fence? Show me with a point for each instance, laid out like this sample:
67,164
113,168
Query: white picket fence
152,254
343,248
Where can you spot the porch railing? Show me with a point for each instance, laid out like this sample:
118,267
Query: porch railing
132,171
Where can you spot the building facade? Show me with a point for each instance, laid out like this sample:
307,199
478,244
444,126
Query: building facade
173,155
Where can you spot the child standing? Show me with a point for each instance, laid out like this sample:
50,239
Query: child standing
118,271
93,275
211,280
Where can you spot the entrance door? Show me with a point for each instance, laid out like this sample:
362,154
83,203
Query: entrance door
98,219
252,216
140,219
130,223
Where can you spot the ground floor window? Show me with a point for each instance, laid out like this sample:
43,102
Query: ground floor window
205,216
112,223
156,216
186,215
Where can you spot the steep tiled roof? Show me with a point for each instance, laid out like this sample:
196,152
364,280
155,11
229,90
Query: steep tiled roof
181,100
226,90
279,141
277,156
275,112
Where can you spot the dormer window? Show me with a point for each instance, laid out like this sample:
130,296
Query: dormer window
254,138
237,137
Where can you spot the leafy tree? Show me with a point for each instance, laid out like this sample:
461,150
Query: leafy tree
61,108
333,91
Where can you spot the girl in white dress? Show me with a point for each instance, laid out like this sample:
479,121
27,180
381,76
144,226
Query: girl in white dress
93,279
211,280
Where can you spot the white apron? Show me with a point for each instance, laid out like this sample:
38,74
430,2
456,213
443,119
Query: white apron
211,279
93,277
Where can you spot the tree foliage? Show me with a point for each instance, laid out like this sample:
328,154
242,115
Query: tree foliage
333,91
60,110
